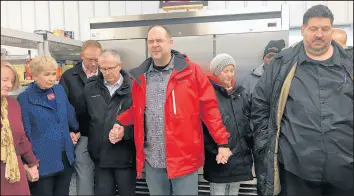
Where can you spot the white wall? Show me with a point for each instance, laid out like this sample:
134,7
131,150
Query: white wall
74,15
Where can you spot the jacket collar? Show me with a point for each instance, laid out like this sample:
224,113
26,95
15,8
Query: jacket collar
77,70
34,95
303,57
290,53
180,62
236,90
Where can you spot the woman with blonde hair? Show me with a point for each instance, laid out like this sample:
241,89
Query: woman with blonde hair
48,118
14,143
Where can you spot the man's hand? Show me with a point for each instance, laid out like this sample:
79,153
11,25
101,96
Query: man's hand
75,137
116,134
32,173
223,155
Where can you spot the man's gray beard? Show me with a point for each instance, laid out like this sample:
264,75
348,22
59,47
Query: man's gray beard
318,51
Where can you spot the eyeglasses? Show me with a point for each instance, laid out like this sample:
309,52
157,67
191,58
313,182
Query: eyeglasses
109,69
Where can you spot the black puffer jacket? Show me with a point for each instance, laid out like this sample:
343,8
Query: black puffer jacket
102,110
234,110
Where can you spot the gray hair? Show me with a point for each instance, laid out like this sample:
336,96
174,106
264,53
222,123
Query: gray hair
110,52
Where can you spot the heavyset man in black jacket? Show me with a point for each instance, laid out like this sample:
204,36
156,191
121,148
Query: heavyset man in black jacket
106,96
315,155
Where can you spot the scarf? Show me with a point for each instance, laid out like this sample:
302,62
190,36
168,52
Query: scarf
8,153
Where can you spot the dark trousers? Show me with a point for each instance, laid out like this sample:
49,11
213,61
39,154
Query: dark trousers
292,185
107,179
258,168
57,184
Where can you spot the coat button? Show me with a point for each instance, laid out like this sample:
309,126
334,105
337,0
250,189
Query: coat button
58,121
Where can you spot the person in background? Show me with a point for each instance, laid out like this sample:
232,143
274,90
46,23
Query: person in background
340,36
48,118
170,97
73,81
14,143
272,48
106,96
234,108
308,149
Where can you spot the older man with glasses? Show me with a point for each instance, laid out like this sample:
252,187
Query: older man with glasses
106,96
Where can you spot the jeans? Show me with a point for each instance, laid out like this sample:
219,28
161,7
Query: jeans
224,188
159,184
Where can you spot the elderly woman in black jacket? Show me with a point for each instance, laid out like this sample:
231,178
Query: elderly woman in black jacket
225,178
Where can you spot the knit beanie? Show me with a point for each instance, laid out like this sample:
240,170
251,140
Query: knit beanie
219,62
274,46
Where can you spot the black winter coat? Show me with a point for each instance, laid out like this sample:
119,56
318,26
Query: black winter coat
265,99
73,81
102,110
235,110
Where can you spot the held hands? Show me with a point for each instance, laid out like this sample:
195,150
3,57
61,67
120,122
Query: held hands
223,155
75,137
116,134
32,173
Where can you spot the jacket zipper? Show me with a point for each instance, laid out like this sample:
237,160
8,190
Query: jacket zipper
120,107
174,102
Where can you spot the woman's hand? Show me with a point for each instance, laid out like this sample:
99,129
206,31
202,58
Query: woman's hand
75,137
32,173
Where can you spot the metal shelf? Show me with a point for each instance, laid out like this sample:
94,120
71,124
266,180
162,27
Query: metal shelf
15,57
15,38
62,48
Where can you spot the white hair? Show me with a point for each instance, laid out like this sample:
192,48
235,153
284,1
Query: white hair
110,52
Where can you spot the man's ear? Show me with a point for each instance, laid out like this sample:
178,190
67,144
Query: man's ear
303,29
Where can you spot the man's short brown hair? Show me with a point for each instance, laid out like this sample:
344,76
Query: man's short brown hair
90,43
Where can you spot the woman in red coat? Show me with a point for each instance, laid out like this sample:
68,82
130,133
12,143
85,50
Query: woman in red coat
14,143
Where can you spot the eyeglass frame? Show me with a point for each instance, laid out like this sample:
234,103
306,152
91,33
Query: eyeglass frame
109,69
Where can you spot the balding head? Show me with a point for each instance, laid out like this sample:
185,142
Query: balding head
340,36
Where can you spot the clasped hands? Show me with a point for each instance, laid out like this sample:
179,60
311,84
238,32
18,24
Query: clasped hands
75,137
32,173
116,134
223,155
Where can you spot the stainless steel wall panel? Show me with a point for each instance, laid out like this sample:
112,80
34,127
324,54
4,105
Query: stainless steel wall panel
199,49
247,49
192,29
132,52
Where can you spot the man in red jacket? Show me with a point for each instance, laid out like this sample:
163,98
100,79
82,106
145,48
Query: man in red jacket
170,96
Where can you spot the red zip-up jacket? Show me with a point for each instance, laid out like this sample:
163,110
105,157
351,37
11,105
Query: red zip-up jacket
190,98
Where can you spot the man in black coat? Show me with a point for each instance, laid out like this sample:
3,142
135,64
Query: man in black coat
73,81
106,96
313,154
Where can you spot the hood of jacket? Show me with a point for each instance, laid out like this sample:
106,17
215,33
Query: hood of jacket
259,70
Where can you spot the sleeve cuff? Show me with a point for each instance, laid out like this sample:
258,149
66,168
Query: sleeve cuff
75,131
224,146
